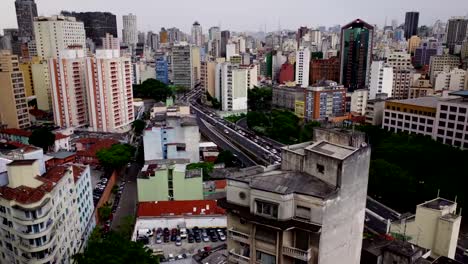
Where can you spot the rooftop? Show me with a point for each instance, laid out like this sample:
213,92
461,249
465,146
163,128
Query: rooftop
437,204
428,101
16,131
445,260
331,150
287,182
93,145
22,162
173,208
62,154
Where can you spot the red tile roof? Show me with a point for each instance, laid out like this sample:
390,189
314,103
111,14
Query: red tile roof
59,136
93,145
16,131
77,171
28,195
172,208
220,184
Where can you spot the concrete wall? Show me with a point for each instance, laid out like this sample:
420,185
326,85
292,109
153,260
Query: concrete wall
187,188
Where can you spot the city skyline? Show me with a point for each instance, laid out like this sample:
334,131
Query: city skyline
264,14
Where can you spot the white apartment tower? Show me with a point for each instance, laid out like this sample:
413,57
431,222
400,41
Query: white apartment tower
232,83
46,217
302,67
109,90
129,31
381,79
440,63
197,34
68,89
57,33
453,80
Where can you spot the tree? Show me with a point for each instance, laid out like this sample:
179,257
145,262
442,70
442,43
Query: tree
104,212
126,226
207,168
226,157
259,98
112,248
138,126
42,138
152,88
307,131
116,156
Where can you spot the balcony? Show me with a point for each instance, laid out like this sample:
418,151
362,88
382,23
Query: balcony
238,258
239,236
304,255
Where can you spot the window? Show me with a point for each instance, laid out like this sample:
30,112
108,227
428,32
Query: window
303,212
462,110
320,168
444,107
450,125
264,258
443,115
452,117
453,109
267,209
442,123
461,118
460,127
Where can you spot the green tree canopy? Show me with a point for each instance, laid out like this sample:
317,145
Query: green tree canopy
152,88
42,138
116,156
207,168
138,126
112,248
226,157
104,212
259,98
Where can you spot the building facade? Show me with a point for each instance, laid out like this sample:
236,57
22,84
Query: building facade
13,105
324,100
324,69
197,34
130,31
110,42
302,67
232,83
411,24
162,67
57,33
273,220
359,101
442,63
286,97
456,32
454,80
356,59
381,79
26,11
423,54
182,69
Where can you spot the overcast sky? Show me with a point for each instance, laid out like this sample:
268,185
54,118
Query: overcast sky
249,15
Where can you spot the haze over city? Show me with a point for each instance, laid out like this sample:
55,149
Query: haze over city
247,15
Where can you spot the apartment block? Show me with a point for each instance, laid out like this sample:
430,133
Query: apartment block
325,69
375,110
399,59
440,63
286,97
359,101
302,67
13,105
381,79
57,33
110,42
207,78
232,82
310,210
421,88
402,80
454,80
42,88
162,67
47,217
182,68
324,100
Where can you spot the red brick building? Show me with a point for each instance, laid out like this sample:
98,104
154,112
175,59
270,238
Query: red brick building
324,69
86,149
286,73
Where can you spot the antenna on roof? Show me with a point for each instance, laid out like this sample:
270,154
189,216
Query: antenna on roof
438,193
456,198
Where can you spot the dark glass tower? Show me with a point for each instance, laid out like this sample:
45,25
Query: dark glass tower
411,24
456,32
225,36
26,11
356,54
96,24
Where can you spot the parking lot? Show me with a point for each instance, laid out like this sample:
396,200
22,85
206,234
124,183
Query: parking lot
177,242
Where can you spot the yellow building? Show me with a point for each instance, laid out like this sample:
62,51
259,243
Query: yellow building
40,77
196,63
299,108
26,69
413,43
13,105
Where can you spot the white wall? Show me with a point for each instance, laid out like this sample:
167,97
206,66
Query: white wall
381,79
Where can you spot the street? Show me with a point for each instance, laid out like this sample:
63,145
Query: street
128,202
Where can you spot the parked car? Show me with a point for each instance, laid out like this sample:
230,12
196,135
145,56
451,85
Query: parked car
222,237
183,233
190,239
178,241
171,257
158,239
206,239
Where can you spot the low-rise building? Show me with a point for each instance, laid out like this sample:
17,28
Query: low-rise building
285,97
166,182
359,101
86,149
375,109
421,88
454,80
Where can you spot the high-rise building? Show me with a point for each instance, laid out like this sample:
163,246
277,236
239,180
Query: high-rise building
110,42
12,40
182,69
356,58
323,100
92,91
457,32
41,80
423,54
162,67
195,55
413,43
301,32
325,69
359,101
96,24
321,223
13,105
402,79
214,33
141,37
225,36
130,31
286,73
26,11
109,92
232,82
381,79
214,42
440,63
26,68
48,216
197,34
152,40
302,67
57,33
411,24
163,36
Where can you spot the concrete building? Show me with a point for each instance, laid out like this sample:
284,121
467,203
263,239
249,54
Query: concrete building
26,69
96,24
356,58
324,69
41,80
302,67
359,101
231,85
109,92
454,80
421,88
413,44
411,24
109,42
381,79
225,36
285,97
167,182
48,216
197,34
415,116
435,226
423,54
207,78
162,67
26,11
439,64
375,109
402,80
399,59
57,33
286,73
230,51
324,100
311,209
196,63
174,136
457,28
182,68
130,31
13,105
